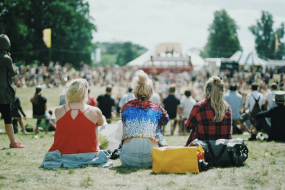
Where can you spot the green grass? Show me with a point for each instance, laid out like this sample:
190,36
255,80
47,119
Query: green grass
20,168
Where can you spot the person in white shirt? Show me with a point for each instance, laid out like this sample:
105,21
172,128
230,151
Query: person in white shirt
155,98
269,103
249,103
186,105
127,97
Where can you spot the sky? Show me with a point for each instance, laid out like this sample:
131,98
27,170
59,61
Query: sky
150,22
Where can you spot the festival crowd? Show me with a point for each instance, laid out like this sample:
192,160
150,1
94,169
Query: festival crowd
206,110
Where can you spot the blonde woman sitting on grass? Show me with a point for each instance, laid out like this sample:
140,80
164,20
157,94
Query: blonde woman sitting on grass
76,135
211,118
142,121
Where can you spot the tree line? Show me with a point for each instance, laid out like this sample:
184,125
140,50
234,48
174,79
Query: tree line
223,39
119,53
71,24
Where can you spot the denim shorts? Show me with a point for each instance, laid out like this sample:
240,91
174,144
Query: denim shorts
137,153
46,115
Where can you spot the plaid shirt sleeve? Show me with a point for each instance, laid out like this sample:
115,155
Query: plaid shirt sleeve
191,120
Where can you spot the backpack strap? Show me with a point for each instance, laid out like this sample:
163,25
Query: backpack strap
256,100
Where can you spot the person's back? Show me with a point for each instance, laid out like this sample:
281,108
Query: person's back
106,103
155,98
127,97
234,99
210,119
76,135
75,129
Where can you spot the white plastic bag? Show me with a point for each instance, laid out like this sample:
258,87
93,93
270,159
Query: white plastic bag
114,133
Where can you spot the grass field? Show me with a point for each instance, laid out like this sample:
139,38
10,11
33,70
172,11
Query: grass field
20,168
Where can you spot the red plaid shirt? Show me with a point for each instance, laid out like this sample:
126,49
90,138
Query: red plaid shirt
204,127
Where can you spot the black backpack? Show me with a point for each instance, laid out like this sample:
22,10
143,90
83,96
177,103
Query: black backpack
256,109
223,152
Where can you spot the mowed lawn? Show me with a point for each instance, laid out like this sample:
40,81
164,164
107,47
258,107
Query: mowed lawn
20,168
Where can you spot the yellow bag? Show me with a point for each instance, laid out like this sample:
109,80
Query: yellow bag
176,159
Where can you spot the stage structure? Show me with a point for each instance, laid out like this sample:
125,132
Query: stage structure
166,57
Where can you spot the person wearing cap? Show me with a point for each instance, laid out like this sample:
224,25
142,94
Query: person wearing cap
106,103
7,92
276,131
40,109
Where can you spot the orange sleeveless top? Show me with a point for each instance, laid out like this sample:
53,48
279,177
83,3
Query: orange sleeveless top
76,135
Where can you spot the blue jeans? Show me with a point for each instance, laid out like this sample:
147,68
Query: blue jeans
46,115
137,153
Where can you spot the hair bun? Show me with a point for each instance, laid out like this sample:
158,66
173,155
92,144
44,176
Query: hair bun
217,81
142,80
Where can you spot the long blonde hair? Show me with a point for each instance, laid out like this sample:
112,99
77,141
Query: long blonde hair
35,98
214,92
76,90
142,85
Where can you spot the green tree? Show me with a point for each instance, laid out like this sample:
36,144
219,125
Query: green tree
69,20
265,37
223,39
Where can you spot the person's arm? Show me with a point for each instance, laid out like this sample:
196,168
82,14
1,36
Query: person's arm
265,104
20,107
178,111
165,117
100,121
246,105
264,114
9,64
45,106
191,122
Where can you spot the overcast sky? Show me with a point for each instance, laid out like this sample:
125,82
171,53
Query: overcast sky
149,22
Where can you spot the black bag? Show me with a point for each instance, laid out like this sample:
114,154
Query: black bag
256,109
223,152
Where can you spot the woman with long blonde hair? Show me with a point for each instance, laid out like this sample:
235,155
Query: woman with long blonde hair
211,118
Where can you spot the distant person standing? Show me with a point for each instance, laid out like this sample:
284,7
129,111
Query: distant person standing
171,105
91,100
186,106
155,98
269,103
106,103
7,92
127,97
234,99
15,108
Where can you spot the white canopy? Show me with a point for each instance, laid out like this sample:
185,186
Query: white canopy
139,61
248,59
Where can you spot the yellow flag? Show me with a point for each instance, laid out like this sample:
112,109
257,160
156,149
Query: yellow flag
276,43
47,37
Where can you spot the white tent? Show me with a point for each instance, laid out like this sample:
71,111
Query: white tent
248,59
139,61
197,61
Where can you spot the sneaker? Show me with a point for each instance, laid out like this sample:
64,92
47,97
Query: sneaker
252,138
24,132
17,145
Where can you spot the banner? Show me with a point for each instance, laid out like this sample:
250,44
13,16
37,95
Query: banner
47,37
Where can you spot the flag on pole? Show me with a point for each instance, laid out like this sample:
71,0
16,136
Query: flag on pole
276,43
47,37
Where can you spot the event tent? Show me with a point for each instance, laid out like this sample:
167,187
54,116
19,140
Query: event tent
248,59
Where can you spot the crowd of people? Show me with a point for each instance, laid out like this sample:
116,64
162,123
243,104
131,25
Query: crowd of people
207,111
